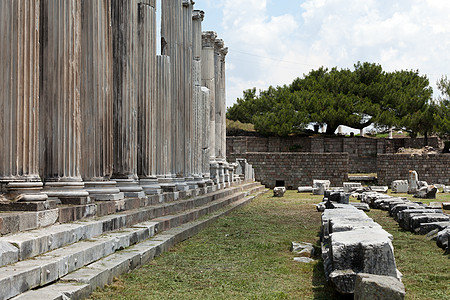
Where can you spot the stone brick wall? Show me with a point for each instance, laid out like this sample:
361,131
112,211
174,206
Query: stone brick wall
297,169
433,168
362,152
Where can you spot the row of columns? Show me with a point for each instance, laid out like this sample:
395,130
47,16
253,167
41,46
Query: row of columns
91,110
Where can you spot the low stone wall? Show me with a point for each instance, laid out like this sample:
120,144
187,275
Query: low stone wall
297,169
432,168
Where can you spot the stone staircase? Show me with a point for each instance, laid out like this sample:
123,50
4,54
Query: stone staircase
70,260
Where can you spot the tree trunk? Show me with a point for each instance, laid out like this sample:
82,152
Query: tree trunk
331,129
425,139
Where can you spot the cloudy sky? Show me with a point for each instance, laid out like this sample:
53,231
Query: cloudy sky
271,42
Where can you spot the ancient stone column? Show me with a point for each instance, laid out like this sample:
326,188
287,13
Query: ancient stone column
147,98
60,100
223,120
125,95
187,91
96,101
172,46
208,81
197,101
163,118
219,110
19,100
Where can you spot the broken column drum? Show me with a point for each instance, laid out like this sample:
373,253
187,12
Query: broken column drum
96,101
125,106
172,46
19,99
198,99
147,98
60,99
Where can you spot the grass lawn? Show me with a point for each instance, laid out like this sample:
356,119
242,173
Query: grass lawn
246,256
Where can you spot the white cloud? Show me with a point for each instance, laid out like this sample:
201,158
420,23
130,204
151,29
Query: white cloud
267,49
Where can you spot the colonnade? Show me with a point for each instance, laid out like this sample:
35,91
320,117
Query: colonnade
89,110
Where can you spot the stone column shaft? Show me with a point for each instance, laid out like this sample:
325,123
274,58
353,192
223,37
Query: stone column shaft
220,109
147,99
96,100
198,105
60,98
172,46
208,80
125,100
164,118
187,92
19,99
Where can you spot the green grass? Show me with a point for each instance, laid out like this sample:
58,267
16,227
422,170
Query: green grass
425,267
246,256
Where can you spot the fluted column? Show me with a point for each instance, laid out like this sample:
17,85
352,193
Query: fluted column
19,100
125,104
205,132
217,131
187,90
172,46
198,107
164,118
96,101
60,99
208,81
147,98
222,119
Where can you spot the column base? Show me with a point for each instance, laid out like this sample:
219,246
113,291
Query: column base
150,186
104,190
192,183
130,188
71,192
28,191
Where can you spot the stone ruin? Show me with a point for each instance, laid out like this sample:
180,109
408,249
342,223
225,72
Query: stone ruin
352,245
413,216
100,115
420,189
104,143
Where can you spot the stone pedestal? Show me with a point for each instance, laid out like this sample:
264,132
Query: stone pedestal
125,95
60,100
147,133
19,101
96,101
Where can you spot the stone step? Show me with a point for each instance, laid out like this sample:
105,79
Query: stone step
14,222
48,268
25,245
80,283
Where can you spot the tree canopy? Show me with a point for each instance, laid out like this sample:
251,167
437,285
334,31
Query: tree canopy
366,95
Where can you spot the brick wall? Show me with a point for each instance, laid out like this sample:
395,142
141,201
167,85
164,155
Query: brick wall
297,169
362,152
433,168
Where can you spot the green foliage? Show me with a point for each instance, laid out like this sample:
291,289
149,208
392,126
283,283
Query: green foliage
355,98
442,110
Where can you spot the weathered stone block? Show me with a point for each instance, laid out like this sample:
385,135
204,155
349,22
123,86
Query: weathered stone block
8,253
369,286
279,191
320,186
400,186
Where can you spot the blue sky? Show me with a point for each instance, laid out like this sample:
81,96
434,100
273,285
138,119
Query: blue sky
273,42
